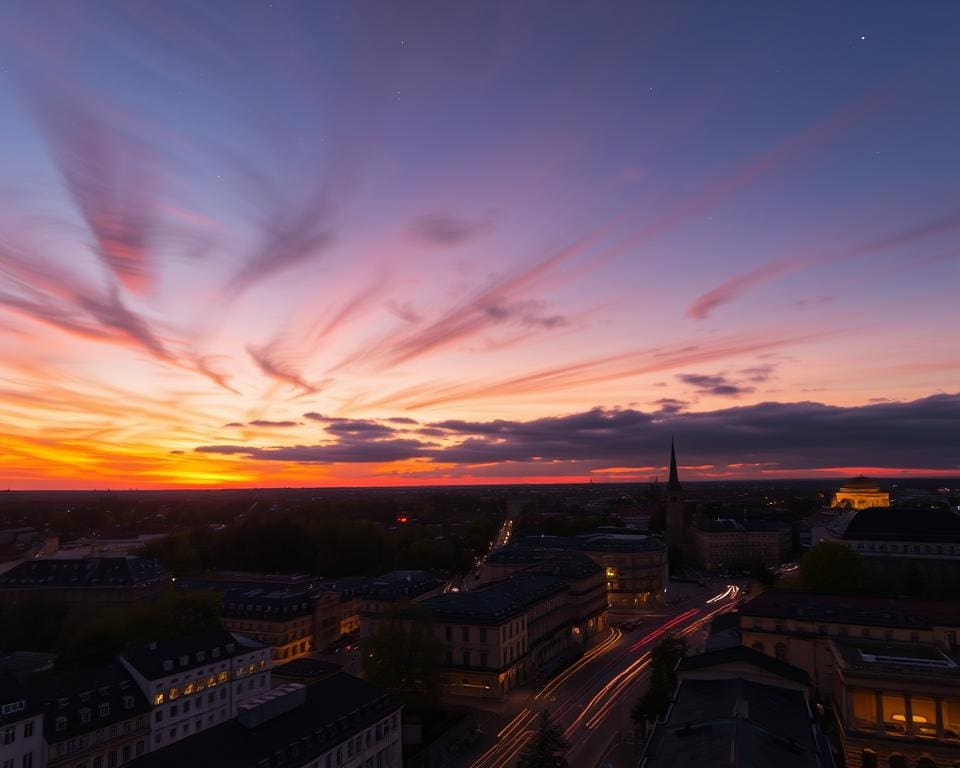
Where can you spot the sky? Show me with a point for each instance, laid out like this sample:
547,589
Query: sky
347,243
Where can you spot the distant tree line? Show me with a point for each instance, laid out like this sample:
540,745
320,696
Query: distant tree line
323,546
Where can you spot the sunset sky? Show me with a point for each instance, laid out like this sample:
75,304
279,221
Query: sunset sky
347,243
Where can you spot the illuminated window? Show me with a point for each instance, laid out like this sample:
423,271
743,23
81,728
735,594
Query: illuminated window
172,693
263,663
951,719
894,714
923,712
188,689
157,699
864,710
222,677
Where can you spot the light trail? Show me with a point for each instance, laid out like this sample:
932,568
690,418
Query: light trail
664,629
606,645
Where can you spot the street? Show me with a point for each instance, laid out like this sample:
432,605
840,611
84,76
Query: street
591,700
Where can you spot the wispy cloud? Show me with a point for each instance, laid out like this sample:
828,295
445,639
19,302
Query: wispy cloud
446,230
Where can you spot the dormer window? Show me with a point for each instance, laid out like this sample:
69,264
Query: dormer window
215,653
168,665
201,656
85,715
128,702
103,710
61,724
184,660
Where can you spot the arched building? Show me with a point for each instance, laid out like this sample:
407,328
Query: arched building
861,493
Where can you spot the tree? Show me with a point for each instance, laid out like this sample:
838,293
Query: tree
832,567
404,655
663,679
763,575
547,748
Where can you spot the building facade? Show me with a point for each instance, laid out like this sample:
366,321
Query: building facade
103,580
896,704
21,726
336,722
860,493
496,637
797,627
197,682
730,544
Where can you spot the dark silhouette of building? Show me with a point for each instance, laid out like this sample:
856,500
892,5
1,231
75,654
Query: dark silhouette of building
676,523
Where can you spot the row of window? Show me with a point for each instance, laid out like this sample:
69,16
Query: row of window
25,762
917,549
10,733
844,631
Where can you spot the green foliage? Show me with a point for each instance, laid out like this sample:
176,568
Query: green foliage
547,748
405,656
832,567
663,679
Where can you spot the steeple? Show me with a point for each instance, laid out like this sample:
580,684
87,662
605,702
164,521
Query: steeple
674,483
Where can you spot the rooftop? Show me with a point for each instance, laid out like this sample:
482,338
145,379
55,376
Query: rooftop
735,722
909,660
80,572
335,709
496,603
856,610
168,657
566,563
895,524
742,654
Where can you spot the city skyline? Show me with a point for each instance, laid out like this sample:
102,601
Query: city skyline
275,244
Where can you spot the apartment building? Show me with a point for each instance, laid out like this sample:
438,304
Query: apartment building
103,580
798,627
735,544
337,722
498,636
21,725
197,682
896,704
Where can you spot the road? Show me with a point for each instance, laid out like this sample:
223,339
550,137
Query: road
591,700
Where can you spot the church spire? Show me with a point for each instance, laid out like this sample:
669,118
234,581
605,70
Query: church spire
674,483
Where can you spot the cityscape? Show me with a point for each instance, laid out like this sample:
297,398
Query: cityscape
479,385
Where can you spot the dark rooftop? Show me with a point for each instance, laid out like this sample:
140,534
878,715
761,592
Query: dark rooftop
91,572
895,524
496,603
563,562
200,649
336,709
735,722
85,700
742,654
850,609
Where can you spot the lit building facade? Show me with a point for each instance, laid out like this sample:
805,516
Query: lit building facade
896,704
197,682
336,722
860,493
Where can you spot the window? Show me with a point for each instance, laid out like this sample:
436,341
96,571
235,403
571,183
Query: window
157,699
158,717
8,763
781,651
466,658
9,734
465,633
923,712
112,759
28,730
951,719
140,747
60,724
27,761
483,634
173,693
103,710
483,661
98,760
126,753
864,710
894,714
868,758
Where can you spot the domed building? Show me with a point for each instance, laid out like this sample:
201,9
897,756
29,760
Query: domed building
861,493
